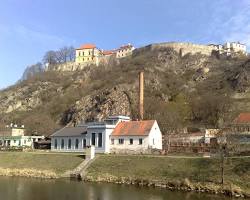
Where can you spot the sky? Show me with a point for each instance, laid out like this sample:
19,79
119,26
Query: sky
29,28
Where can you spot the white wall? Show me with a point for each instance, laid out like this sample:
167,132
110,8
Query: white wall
152,141
65,148
127,146
155,137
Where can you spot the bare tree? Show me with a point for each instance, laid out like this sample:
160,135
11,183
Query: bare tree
71,53
62,55
50,57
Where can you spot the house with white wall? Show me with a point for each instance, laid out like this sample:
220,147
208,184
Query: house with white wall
106,136
14,136
124,51
136,137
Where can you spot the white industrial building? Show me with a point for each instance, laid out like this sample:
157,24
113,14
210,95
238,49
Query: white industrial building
107,136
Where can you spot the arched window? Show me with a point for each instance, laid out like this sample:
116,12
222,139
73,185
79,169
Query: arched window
69,144
76,144
55,144
62,144
84,143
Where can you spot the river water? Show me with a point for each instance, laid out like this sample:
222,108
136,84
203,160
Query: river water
17,188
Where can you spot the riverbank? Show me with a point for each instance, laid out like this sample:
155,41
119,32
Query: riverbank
37,164
175,173
188,173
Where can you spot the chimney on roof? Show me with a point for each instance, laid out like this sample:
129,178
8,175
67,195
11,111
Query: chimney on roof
141,95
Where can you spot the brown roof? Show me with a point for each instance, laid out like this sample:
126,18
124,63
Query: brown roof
128,46
108,52
243,118
87,46
133,128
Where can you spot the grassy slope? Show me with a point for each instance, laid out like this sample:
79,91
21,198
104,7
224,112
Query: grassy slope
173,169
58,163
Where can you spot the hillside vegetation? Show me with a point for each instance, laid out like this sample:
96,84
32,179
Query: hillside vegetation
190,90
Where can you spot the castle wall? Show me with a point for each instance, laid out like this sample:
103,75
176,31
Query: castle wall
180,47
74,66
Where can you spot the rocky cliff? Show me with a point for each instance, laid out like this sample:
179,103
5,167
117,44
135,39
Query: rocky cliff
180,90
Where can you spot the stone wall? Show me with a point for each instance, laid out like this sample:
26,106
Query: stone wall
180,47
74,66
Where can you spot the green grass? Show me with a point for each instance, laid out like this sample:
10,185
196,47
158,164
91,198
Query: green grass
204,170
58,163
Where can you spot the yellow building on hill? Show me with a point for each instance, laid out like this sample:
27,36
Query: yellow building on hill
88,54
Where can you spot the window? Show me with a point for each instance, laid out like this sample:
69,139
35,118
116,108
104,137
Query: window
83,59
62,144
140,141
55,144
99,139
131,141
93,139
24,141
83,53
84,143
89,53
79,54
76,144
121,141
153,141
112,141
69,144
14,141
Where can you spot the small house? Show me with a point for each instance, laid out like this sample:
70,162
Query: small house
136,137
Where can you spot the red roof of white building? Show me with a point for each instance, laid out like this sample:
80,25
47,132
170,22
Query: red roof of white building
87,46
243,118
128,46
133,128
108,52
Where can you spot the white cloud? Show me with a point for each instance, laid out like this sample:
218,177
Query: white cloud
31,36
36,36
231,22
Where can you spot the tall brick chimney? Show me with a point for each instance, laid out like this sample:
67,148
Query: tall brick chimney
141,95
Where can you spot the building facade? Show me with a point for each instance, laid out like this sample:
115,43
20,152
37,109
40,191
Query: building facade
136,137
102,135
14,136
124,51
88,54
76,139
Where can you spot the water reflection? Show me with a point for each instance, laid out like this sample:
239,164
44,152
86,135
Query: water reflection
37,189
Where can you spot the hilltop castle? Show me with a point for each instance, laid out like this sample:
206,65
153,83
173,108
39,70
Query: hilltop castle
90,54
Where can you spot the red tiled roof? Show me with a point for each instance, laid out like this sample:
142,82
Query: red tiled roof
108,52
88,46
133,128
125,47
243,118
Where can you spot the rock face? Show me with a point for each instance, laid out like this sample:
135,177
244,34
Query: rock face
240,79
23,98
99,106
